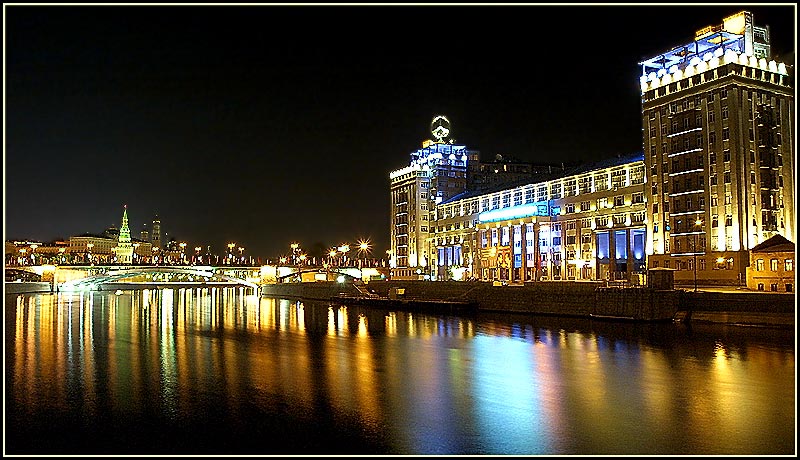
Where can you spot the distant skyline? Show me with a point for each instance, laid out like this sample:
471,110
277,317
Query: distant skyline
267,125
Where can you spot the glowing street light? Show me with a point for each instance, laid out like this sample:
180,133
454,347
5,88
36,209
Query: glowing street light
135,249
230,251
197,253
363,250
698,223
183,252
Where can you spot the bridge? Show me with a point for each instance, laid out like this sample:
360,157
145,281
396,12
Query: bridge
160,276
101,277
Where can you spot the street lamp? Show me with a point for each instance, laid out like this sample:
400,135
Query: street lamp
241,256
197,253
230,251
344,249
89,250
183,253
363,251
135,249
698,223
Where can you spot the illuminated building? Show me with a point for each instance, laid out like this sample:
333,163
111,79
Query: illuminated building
717,118
124,248
583,224
156,235
91,248
505,169
437,172
772,265
144,235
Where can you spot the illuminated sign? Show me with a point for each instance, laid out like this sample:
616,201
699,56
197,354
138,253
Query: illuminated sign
514,212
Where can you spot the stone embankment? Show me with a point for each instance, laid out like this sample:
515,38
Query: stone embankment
570,298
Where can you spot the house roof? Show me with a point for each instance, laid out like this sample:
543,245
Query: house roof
775,244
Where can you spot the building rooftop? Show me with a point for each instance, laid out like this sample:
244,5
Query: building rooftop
777,243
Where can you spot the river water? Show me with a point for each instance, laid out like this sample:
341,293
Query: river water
225,372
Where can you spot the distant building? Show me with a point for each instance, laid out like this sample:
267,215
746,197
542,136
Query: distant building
144,234
155,237
718,115
111,232
505,169
91,248
436,173
772,265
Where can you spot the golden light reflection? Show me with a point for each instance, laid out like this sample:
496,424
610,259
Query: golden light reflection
536,386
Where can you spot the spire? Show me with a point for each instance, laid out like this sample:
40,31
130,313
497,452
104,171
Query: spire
125,231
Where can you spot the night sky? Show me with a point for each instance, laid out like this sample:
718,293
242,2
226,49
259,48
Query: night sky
264,125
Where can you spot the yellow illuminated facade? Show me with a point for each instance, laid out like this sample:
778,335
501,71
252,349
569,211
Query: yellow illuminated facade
437,172
717,117
583,224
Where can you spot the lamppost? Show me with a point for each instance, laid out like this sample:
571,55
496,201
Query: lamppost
155,256
344,249
61,252
698,223
22,256
241,256
197,254
363,251
89,250
183,252
33,253
135,249
230,252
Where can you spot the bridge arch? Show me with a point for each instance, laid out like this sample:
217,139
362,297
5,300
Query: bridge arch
208,274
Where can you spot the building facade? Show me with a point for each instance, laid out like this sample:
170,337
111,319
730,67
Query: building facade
437,172
155,236
584,224
717,117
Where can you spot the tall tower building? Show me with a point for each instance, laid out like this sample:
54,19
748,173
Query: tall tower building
156,235
144,235
718,117
124,246
437,172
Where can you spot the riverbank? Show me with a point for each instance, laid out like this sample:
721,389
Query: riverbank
573,299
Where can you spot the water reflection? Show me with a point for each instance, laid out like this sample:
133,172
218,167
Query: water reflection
222,371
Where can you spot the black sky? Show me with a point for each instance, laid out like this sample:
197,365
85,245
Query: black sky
266,124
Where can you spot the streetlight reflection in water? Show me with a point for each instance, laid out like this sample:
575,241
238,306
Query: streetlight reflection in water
221,370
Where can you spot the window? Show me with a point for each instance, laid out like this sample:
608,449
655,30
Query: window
773,265
788,265
584,205
726,155
710,117
725,112
759,265
619,200
726,133
728,220
655,208
638,197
